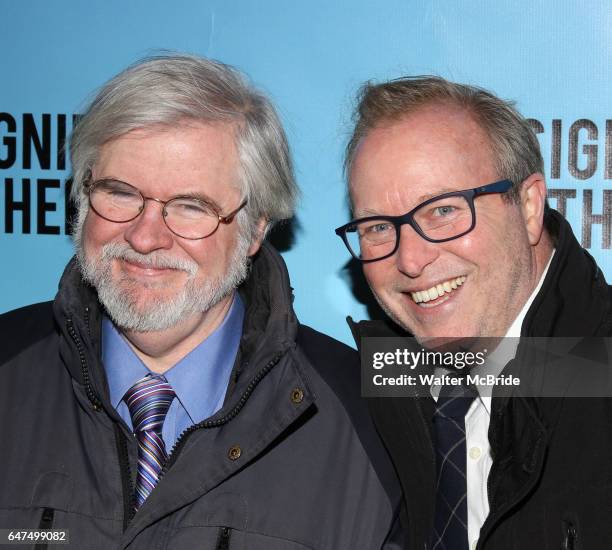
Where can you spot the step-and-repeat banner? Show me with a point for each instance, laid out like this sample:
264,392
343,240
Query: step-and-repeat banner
552,57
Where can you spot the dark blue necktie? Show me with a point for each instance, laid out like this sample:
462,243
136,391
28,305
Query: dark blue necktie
450,520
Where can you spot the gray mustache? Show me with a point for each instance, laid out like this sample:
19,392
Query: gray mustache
155,259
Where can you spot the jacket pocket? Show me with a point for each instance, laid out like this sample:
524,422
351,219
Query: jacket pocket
570,536
223,541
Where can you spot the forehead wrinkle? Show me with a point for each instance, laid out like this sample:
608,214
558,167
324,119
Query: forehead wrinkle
391,196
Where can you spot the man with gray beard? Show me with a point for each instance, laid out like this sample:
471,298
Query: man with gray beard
168,397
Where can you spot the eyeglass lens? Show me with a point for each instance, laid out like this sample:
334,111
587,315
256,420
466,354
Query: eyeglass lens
439,220
120,202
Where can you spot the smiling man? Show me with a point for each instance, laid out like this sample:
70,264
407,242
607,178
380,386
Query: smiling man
500,257
456,239
168,397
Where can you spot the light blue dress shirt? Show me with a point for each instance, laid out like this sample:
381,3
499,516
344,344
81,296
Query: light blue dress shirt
200,379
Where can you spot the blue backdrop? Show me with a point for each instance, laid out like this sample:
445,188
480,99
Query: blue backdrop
553,57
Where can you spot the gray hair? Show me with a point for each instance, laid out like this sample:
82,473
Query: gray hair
165,90
515,147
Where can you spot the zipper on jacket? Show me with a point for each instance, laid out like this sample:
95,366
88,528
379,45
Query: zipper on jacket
207,424
46,522
128,490
223,542
570,536
91,395
87,324
129,496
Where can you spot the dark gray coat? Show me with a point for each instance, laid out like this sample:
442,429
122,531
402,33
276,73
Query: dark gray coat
290,462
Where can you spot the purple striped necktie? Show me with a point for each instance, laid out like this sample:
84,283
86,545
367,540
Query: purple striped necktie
148,401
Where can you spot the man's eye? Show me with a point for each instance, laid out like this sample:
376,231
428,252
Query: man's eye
442,211
121,193
189,208
378,228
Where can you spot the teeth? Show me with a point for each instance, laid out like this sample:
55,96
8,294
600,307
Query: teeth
436,291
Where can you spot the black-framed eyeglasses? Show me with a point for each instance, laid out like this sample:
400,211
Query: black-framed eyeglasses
439,219
187,217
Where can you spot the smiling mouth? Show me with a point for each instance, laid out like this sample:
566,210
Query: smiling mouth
435,293
135,266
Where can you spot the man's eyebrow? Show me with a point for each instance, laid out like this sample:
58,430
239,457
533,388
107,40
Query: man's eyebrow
442,191
366,212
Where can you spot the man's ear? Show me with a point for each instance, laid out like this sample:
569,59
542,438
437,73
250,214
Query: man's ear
533,200
258,236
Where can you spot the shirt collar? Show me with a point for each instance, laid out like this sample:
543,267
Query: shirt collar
199,379
123,367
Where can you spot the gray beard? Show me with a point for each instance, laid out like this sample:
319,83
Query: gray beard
120,297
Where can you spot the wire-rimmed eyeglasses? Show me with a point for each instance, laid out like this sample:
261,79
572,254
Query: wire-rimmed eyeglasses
438,219
187,217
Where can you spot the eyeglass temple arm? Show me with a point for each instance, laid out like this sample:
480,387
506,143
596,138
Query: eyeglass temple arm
229,218
497,187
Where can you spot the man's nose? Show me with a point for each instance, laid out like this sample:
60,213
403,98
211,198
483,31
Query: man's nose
149,232
414,253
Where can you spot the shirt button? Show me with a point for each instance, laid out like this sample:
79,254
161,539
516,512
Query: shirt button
475,454
474,544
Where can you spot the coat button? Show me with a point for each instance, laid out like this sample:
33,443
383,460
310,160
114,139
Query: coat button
297,396
234,453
